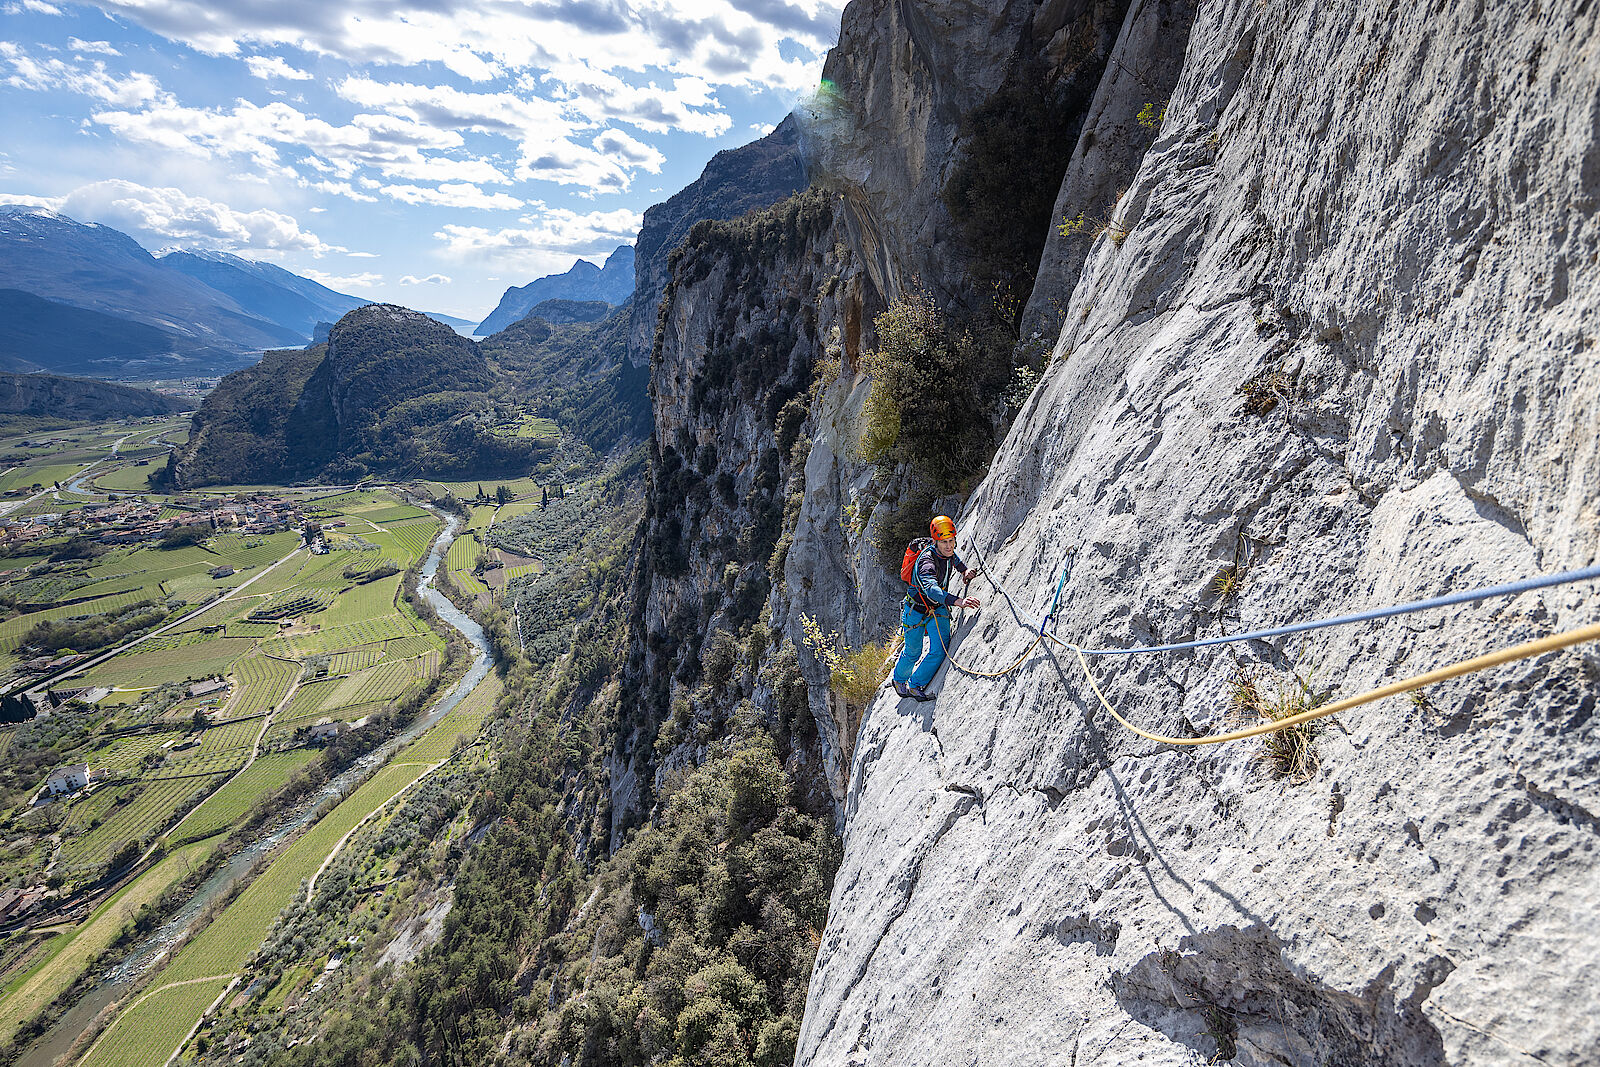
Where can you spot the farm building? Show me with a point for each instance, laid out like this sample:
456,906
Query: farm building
207,687
65,780
326,728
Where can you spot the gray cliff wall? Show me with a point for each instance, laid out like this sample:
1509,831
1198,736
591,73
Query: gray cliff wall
1338,340
1144,65
734,181
752,306
886,128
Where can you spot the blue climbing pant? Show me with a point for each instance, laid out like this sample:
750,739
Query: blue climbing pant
922,631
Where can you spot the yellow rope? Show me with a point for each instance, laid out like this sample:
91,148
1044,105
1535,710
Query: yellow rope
1454,670
992,674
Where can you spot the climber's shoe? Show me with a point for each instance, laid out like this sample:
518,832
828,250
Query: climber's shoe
901,689
919,693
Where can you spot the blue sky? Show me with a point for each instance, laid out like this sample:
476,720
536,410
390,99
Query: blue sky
423,152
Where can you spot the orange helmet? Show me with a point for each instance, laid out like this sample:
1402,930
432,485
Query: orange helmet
942,528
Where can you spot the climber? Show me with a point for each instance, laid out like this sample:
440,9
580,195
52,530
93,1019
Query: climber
927,603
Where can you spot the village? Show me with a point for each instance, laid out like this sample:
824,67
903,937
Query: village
131,520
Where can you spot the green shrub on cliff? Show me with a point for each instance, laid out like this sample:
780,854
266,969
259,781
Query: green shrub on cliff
935,386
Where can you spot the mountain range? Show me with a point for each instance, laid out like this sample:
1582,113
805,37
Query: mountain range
85,299
611,283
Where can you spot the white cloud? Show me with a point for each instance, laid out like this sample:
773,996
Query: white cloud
548,240
49,203
567,164
727,42
32,7
545,129
343,282
432,279
268,67
445,169
102,48
618,145
648,107
445,107
263,134
458,194
343,189
170,215
94,81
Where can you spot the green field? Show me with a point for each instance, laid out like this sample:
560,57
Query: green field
468,490
260,681
394,513
224,808
531,426
146,1034
128,478
138,812
511,511
188,663
408,540
31,990
44,474
462,557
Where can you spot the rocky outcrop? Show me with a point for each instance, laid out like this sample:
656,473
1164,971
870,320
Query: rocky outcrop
743,323
1334,348
902,103
392,391
735,181
1128,108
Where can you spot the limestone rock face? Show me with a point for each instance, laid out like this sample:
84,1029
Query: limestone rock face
887,125
1121,123
752,306
748,178
1337,348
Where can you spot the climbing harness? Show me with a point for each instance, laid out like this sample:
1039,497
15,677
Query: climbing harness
1525,650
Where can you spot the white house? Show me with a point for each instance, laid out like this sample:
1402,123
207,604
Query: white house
65,780
326,728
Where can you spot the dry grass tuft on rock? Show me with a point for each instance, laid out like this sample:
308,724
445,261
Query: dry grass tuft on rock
1292,751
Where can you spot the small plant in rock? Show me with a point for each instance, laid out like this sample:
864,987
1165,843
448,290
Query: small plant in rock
1085,225
1076,226
1153,114
1227,584
852,675
1262,392
1221,1028
1291,751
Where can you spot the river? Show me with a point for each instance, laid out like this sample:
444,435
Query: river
149,952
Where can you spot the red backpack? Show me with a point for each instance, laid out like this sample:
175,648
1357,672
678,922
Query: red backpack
908,567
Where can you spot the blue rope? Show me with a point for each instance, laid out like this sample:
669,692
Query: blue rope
1465,597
